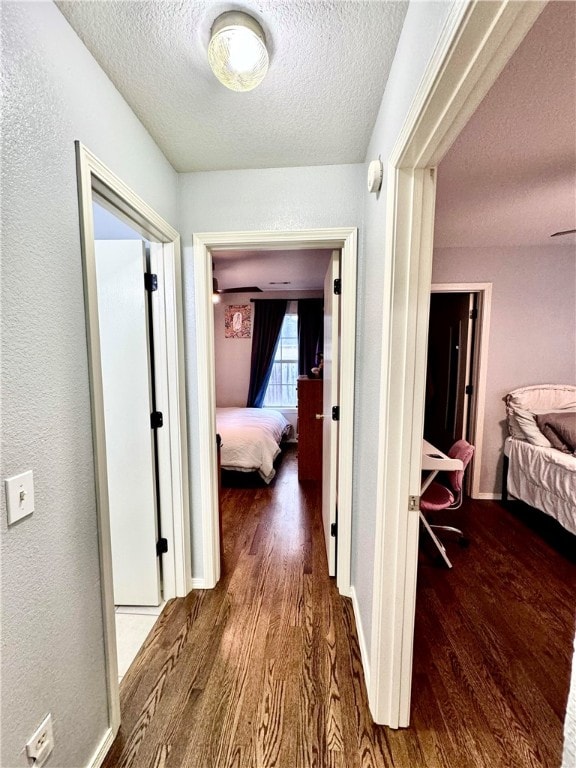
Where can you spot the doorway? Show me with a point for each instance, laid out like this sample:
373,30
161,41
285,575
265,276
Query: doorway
96,181
126,318
454,404
307,281
451,331
344,239
477,41
126,313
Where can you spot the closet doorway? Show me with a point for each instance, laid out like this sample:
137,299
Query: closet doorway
459,324
166,453
125,314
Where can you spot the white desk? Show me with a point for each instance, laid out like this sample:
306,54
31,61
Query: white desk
434,461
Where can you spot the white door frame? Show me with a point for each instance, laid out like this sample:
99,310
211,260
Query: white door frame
479,372
477,41
342,238
95,177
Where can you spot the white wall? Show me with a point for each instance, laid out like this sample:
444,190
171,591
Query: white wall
420,33
107,226
533,327
52,633
269,199
231,359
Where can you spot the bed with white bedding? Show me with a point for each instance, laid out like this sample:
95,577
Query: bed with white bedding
251,439
540,452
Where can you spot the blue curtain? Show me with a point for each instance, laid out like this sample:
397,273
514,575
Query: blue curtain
310,334
268,317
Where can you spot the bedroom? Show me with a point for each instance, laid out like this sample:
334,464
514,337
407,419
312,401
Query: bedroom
275,319
241,280
505,188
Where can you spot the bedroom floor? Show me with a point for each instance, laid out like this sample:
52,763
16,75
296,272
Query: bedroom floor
265,669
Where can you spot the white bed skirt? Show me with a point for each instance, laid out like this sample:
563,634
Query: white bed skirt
544,478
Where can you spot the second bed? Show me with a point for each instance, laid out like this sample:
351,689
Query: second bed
251,439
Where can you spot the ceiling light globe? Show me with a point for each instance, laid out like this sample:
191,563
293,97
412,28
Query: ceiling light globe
237,51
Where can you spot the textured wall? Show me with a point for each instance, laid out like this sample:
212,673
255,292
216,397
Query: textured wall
52,635
533,330
421,30
271,199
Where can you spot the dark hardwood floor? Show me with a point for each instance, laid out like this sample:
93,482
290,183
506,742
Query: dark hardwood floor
265,669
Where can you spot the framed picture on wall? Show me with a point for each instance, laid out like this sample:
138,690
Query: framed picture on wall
238,321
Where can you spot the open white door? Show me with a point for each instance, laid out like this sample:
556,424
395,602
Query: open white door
330,400
123,322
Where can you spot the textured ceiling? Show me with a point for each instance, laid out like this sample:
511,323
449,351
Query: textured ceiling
304,270
317,106
510,177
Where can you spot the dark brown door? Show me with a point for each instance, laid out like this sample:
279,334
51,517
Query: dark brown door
449,368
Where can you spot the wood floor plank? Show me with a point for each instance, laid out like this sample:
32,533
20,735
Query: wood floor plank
265,670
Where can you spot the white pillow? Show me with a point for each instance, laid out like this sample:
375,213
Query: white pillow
543,398
526,423
514,429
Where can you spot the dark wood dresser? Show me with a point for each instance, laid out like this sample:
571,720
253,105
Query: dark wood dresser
309,429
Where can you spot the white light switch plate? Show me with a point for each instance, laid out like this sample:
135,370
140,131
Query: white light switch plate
19,496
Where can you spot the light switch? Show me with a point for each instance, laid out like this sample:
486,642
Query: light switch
19,496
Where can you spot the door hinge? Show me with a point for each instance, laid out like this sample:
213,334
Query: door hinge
161,547
414,503
474,314
337,286
156,420
469,389
334,529
150,281
336,413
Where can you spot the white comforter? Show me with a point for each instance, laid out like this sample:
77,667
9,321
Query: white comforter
250,439
544,478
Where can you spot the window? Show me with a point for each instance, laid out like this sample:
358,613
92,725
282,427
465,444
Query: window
281,390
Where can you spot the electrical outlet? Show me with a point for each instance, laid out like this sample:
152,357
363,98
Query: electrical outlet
40,745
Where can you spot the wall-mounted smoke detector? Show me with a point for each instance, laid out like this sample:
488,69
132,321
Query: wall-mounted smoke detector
375,175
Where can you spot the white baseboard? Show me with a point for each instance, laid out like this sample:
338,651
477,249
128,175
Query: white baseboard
198,583
345,591
361,638
100,754
488,496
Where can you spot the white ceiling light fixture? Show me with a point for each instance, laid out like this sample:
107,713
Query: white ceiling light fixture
237,51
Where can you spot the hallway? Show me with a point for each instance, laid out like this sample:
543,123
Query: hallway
259,671
265,669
